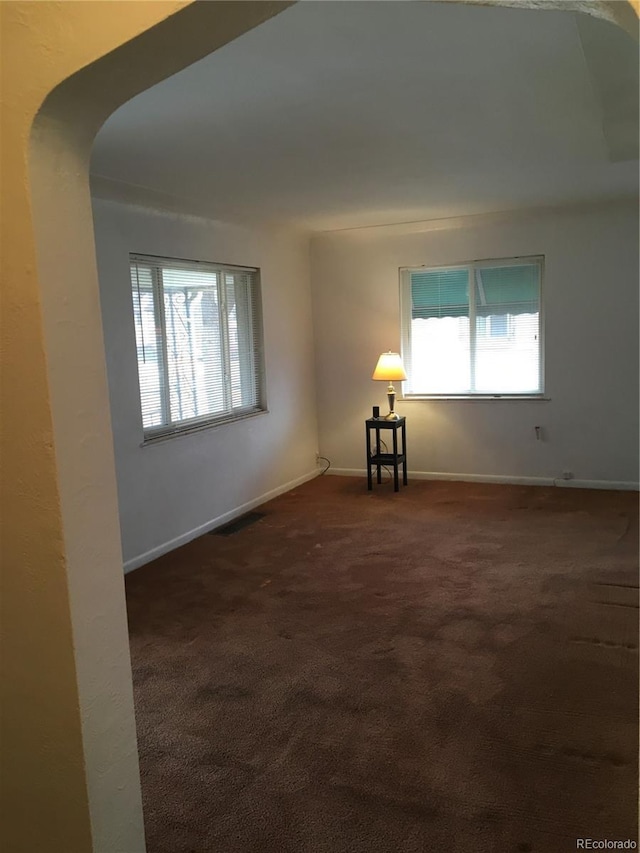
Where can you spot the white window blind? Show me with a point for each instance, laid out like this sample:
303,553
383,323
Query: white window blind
473,329
199,339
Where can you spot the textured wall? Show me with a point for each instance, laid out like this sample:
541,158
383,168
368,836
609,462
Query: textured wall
624,15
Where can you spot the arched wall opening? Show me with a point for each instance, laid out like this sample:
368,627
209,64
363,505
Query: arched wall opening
71,758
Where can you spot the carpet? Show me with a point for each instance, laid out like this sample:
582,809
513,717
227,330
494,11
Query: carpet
450,668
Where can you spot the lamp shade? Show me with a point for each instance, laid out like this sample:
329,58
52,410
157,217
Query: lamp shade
389,367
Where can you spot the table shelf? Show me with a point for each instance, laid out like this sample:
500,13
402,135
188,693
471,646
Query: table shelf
386,458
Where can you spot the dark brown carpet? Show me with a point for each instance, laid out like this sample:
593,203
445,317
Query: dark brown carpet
449,668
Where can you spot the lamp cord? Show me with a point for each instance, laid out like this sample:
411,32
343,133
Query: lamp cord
328,465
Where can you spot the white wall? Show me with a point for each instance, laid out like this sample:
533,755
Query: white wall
168,490
589,424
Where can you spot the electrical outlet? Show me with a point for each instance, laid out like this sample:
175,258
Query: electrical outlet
567,475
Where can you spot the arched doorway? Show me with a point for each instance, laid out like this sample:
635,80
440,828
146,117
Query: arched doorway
72,759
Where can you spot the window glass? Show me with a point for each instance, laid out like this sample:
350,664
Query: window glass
473,329
199,343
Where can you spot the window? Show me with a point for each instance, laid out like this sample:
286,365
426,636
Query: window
199,339
473,329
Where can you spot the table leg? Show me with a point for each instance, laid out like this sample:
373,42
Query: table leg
404,452
369,481
396,485
379,477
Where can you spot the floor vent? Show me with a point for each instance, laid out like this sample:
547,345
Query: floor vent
238,524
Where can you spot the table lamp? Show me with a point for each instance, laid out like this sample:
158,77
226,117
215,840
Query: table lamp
390,368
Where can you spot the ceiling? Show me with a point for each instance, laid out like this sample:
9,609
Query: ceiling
344,114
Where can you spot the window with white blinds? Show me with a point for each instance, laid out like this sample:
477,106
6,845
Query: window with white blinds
199,339
473,329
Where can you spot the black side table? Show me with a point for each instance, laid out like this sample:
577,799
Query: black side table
395,458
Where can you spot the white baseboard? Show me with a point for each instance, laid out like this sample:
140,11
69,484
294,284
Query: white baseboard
154,553
615,485
618,485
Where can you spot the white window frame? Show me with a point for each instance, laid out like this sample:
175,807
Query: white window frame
171,428
471,266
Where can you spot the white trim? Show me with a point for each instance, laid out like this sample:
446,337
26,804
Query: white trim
466,398
420,226
154,435
154,553
617,485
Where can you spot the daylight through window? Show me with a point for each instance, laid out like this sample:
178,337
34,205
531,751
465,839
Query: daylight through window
199,340
473,329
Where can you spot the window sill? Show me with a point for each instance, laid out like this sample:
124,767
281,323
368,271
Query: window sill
152,438
483,398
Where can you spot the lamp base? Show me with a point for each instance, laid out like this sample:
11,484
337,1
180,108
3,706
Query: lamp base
391,397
